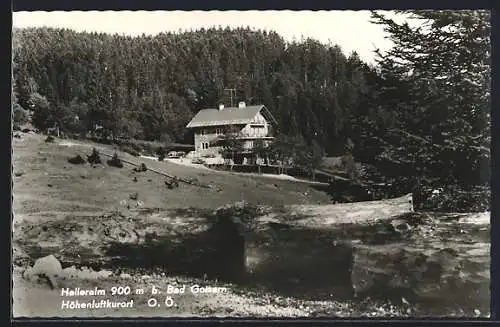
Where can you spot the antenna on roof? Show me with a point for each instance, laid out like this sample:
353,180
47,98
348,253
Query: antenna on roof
231,94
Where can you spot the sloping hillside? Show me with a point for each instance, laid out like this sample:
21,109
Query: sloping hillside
368,258
47,185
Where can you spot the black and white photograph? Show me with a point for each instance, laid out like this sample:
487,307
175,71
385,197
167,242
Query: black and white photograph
251,164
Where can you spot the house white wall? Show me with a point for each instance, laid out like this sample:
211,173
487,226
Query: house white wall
259,127
203,136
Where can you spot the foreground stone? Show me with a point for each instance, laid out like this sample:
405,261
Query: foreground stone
47,267
431,263
435,262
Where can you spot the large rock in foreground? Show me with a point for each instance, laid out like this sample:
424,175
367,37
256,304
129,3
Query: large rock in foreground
435,265
47,267
438,263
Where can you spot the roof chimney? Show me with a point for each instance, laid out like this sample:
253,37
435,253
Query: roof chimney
241,104
221,106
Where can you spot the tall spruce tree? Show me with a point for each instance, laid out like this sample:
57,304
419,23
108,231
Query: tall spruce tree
436,84
149,87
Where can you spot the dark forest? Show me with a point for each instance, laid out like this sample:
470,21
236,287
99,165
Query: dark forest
422,111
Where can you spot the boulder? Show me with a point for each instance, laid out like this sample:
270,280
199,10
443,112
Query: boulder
47,267
439,263
439,266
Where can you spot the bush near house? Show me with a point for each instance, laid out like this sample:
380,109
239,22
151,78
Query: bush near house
160,152
94,157
130,150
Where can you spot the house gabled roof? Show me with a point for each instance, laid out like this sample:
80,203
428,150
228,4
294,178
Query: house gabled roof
229,116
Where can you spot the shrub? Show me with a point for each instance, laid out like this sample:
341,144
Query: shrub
20,115
94,157
130,150
136,146
160,152
148,148
77,160
172,183
50,139
115,161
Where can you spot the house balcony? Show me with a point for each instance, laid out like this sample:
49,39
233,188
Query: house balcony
251,136
257,133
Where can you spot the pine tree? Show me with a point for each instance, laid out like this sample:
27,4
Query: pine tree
442,72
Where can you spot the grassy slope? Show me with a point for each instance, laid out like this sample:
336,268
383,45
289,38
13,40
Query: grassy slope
83,189
51,188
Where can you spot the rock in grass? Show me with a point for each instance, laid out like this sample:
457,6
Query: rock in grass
142,168
115,161
173,183
47,267
430,264
76,160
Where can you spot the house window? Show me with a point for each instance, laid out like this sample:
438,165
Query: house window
218,131
204,145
